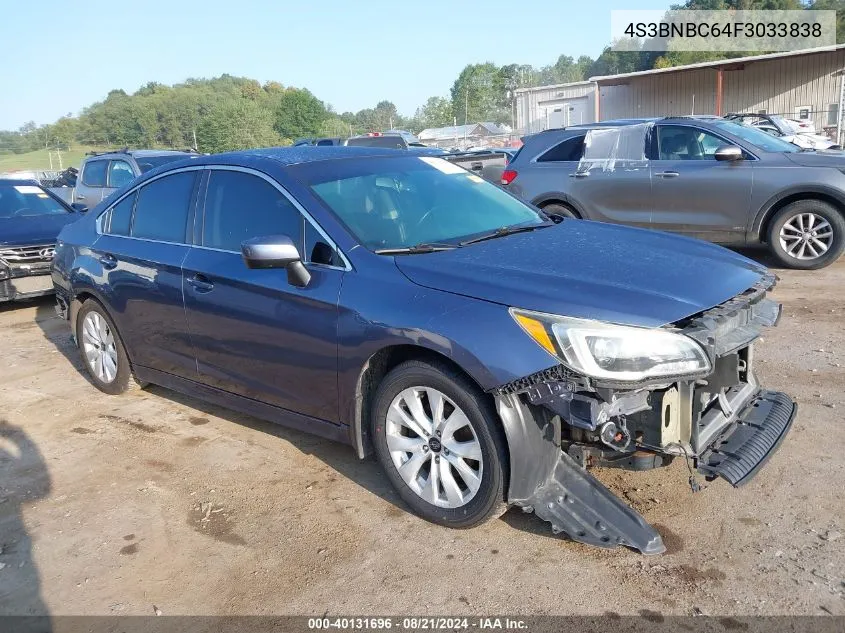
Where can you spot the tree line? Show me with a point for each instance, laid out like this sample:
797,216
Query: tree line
228,112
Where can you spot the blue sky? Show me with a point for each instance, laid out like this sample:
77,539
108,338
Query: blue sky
59,56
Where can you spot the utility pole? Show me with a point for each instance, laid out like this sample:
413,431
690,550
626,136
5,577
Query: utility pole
194,132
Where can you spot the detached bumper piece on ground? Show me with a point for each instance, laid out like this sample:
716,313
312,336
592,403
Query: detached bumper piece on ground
723,424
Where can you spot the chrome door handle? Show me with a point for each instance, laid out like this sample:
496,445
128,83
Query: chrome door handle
667,174
109,262
79,197
579,174
200,283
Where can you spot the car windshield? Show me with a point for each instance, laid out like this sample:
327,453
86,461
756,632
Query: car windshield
756,136
146,163
394,203
27,200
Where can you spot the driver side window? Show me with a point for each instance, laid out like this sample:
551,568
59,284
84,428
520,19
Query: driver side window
681,142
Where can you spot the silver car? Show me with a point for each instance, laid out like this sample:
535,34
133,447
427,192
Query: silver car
704,177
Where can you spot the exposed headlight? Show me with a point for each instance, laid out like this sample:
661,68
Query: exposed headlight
613,352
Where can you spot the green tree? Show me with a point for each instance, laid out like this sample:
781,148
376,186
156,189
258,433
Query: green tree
436,112
298,113
479,94
234,125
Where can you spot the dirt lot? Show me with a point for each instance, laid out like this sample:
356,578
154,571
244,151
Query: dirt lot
111,505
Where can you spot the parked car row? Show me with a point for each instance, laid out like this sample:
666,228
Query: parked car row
402,304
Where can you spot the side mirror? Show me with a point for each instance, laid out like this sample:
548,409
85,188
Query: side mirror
81,207
728,152
276,251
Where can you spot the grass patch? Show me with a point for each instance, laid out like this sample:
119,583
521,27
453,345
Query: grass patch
40,159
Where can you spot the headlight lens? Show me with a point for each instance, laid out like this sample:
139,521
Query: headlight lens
614,352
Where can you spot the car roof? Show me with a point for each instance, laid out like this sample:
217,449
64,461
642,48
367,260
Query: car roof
140,153
300,154
19,181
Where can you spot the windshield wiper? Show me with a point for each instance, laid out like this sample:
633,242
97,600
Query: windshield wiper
506,230
417,249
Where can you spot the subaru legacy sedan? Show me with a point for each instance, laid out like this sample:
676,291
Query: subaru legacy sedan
396,302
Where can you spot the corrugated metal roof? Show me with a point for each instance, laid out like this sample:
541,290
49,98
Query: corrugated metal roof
571,84
452,131
716,63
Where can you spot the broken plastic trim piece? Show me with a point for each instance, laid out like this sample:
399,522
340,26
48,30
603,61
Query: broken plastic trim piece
550,483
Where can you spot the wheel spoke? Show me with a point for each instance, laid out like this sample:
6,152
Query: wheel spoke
788,227
405,444
436,402
397,415
410,470
470,478
450,486
822,246
414,404
467,450
812,250
456,421
431,490
811,220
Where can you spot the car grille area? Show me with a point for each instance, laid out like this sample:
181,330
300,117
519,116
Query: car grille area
23,256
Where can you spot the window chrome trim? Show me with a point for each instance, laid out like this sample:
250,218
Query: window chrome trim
107,210
305,214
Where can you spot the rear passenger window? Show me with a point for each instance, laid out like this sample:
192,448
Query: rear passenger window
572,149
161,212
240,206
120,216
94,173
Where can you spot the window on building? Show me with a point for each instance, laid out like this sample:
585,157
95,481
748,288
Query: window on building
833,114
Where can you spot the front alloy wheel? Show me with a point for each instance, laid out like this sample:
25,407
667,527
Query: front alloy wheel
99,348
434,447
440,443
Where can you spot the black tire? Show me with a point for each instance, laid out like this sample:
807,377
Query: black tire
489,500
123,379
820,209
558,212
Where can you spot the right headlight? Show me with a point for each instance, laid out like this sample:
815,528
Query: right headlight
614,352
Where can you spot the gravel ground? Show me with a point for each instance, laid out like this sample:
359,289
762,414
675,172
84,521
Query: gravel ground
125,505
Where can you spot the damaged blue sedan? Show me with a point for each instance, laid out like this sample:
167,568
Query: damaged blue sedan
486,355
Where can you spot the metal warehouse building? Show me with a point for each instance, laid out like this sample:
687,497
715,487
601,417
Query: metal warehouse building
806,84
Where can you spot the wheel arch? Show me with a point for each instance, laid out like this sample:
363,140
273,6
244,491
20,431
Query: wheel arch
558,198
79,297
375,369
760,228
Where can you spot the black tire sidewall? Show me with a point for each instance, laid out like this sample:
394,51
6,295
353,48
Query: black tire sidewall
560,211
490,495
818,207
124,371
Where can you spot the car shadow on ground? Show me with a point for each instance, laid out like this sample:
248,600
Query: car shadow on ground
24,479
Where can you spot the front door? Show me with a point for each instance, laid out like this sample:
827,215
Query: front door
692,192
254,334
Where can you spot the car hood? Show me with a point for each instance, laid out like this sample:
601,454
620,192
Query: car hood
35,229
590,270
819,158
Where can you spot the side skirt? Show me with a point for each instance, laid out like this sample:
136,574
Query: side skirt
290,419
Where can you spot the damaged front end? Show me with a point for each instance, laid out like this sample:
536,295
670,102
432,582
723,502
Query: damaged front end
559,422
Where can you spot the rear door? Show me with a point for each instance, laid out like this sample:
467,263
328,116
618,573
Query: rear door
119,173
254,334
611,182
91,183
692,192
143,244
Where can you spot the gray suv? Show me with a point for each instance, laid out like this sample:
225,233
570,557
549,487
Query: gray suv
703,177
100,174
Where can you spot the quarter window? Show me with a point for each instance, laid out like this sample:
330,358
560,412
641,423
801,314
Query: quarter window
120,216
161,212
94,174
120,173
241,206
572,149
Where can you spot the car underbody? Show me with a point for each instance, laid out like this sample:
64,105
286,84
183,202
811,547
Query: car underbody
723,424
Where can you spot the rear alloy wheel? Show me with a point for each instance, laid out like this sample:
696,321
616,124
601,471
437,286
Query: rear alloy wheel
559,212
438,441
807,234
102,350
